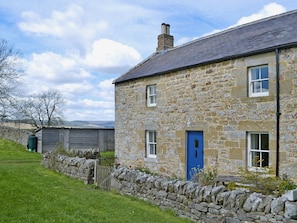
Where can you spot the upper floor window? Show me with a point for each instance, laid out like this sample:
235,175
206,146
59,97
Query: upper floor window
258,81
151,95
151,144
258,150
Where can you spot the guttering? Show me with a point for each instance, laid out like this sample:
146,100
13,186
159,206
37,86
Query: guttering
278,114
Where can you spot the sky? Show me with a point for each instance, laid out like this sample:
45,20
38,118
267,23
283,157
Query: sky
79,47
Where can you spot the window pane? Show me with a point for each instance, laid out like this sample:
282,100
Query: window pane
196,142
264,72
264,142
255,141
265,159
152,149
264,86
152,99
152,89
152,137
256,86
255,73
255,159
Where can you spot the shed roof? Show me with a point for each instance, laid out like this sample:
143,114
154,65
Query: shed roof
257,37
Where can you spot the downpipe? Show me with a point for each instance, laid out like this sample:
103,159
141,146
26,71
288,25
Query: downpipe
278,114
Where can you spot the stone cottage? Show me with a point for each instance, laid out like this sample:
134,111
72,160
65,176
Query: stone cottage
226,100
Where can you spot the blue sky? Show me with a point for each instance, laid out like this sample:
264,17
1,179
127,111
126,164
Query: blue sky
79,47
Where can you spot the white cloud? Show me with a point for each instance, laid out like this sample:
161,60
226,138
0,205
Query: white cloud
106,89
55,68
62,24
182,41
87,103
268,10
108,53
76,90
87,109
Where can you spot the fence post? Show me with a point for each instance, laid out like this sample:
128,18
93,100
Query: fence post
96,171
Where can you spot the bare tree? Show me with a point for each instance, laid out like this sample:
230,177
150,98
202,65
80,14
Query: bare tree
10,70
44,109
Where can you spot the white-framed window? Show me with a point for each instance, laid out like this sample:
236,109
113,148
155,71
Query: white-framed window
258,150
151,144
258,81
151,95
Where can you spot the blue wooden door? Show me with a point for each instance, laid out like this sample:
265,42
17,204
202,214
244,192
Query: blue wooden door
195,157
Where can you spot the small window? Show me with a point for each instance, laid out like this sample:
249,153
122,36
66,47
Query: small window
258,81
151,96
151,144
258,149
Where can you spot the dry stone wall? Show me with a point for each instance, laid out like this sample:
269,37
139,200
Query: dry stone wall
15,134
204,203
74,167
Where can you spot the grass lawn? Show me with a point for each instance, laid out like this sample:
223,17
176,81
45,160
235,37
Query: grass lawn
31,193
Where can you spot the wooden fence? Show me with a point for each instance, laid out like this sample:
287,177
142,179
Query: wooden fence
102,172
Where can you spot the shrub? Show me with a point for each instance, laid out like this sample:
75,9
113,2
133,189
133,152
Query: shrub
204,176
60,150
144,170
263,181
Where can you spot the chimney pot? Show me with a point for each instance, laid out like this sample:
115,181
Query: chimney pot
168,29
163,28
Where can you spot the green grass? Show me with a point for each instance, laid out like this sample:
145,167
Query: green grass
31,193
107,158
107,154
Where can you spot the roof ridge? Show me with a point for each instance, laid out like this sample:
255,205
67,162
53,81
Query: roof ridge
231,28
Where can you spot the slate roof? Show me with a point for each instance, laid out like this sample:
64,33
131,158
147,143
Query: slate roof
253,38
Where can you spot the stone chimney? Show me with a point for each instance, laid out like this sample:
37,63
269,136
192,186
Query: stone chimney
165,40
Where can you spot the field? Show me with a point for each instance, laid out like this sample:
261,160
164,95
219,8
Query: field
31,193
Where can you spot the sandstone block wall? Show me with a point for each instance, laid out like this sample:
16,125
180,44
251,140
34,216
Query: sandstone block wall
204,203
214,99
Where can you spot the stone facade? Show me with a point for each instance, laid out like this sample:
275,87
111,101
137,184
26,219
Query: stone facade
204,203
214,99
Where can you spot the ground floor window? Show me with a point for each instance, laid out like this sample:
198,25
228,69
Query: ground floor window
258,149
151,144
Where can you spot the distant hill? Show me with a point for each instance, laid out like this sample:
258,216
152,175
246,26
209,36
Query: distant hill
90,124
23,124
